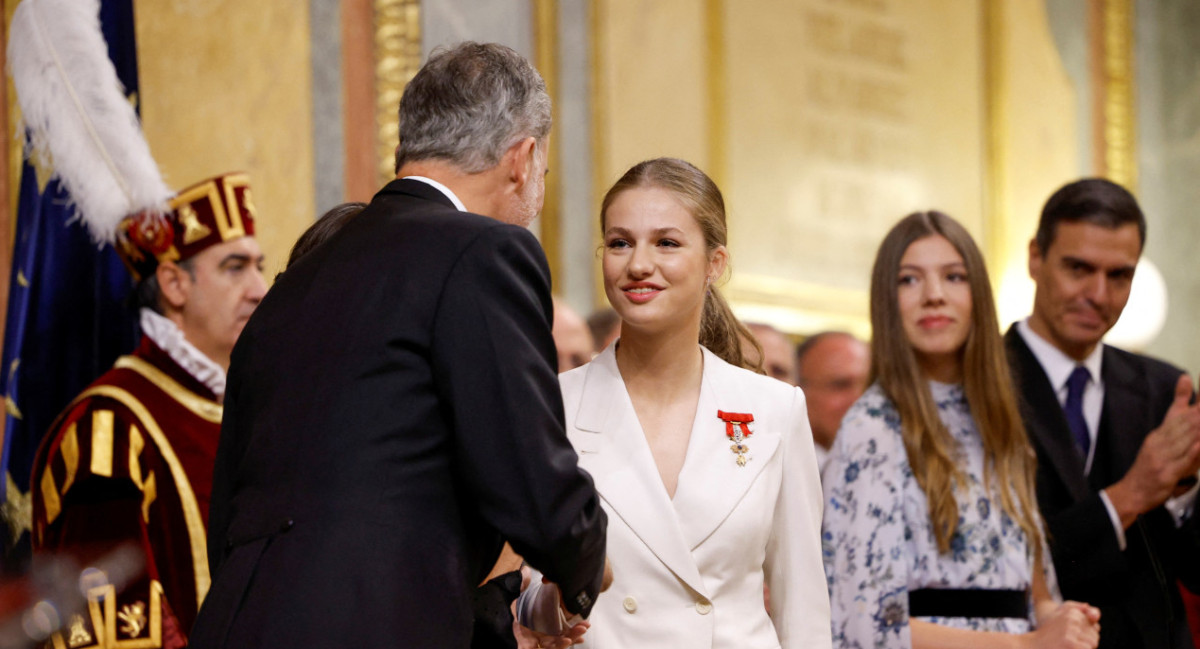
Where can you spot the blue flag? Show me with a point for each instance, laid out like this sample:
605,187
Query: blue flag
69,310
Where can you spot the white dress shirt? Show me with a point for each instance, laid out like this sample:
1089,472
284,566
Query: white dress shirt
441,188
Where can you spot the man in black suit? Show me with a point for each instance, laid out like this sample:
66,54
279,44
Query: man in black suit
1118,444
393,413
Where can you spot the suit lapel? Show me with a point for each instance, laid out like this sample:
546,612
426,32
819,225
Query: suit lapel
1125,408
1044,418
711,483
612,447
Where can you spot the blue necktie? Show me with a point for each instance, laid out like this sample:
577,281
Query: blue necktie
1073,408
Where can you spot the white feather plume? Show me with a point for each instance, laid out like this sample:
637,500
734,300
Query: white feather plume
81,125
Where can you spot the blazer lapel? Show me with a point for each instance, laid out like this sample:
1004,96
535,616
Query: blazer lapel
626,477
1044,418
1124,409
711,483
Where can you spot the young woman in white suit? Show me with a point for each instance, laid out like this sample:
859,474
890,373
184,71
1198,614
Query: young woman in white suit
706,469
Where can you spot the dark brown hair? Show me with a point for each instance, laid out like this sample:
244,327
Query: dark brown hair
324,227
1090,200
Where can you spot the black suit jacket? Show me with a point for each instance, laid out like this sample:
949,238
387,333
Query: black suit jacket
1135,588
392,416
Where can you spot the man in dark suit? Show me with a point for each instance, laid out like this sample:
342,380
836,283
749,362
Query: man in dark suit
1118,444
393,413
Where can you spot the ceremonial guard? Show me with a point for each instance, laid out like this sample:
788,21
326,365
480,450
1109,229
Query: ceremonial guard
130,459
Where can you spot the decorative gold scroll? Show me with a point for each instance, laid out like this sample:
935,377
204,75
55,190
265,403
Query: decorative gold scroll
1115,125
397,59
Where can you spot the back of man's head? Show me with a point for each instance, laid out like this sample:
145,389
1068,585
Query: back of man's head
468,104
1090,200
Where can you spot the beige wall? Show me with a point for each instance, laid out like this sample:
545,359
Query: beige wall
826,122
651,88
226,85
1034,146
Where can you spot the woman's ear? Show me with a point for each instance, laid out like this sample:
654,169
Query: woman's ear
718,260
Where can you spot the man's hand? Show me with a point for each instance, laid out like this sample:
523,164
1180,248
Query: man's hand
1169,453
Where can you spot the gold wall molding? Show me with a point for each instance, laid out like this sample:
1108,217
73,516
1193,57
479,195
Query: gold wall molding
718,110
545,46
1113,116
597,26
996,187
397,59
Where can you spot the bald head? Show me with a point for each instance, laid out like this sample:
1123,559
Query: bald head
832,368
777,361
571,336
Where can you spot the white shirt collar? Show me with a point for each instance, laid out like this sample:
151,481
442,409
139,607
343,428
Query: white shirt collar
169,338
1057,365
442,188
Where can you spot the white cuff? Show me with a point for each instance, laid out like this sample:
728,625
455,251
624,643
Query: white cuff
1116,520
1181,507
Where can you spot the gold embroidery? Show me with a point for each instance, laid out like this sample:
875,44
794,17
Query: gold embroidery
249,204
50,496
22,280
79,633
193,229
104,620
135,449
204,408
133,618
69,449
11,408
102,443
17,508
187,498
149,493
229,223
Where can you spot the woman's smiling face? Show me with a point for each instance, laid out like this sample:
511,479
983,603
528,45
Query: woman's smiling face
656,264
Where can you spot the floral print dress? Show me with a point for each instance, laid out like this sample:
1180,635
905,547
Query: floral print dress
877,539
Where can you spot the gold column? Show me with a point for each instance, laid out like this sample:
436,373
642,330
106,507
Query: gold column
397,59
1110,23
718,113
545,24
998,185
597,19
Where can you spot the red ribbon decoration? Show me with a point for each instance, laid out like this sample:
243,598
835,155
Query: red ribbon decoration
731,418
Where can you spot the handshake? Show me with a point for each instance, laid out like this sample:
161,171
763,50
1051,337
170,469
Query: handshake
540,620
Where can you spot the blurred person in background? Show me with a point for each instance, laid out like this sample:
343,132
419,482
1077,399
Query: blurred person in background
777,359
572,337
832,368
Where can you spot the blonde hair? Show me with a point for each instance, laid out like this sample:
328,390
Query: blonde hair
1009,461
720,331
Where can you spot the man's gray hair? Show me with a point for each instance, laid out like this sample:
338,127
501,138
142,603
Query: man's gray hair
468,104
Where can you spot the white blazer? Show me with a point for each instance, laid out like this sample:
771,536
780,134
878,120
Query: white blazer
689,572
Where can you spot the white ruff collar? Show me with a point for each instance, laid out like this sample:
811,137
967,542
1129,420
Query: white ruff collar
169,338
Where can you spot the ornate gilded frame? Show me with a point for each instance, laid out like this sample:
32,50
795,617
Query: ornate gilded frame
397,58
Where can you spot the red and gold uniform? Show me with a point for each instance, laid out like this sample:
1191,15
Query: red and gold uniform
131,461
